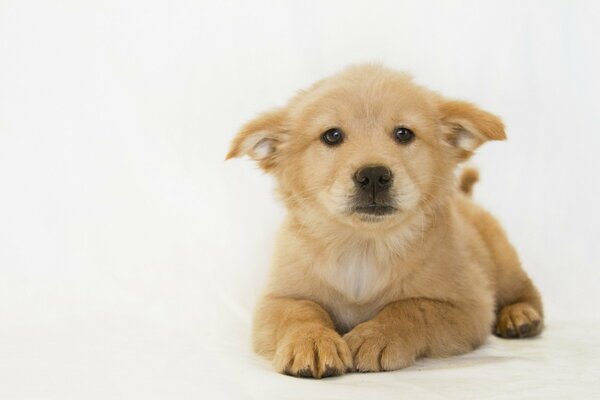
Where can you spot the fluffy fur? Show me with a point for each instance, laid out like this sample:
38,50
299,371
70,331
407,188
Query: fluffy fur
353,291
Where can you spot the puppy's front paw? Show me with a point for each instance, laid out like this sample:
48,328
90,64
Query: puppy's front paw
313,352
517,321
375,348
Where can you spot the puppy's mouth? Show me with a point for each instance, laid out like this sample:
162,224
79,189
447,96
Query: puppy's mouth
375,209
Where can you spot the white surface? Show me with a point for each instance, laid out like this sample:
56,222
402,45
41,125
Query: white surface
131,254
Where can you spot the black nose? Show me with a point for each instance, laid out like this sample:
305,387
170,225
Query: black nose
373,178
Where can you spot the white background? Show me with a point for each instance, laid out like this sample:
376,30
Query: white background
131,253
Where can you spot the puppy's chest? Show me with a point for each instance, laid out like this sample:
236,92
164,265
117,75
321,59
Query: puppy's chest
357,275
361,283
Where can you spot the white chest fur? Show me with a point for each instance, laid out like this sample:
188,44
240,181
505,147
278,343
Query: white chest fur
363,271
356,274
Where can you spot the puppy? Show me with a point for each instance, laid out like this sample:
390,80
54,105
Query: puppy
383,257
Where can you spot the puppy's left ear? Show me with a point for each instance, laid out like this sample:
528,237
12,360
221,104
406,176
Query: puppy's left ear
467,127
262,139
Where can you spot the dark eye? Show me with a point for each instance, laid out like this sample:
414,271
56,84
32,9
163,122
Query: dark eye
332,136
404,135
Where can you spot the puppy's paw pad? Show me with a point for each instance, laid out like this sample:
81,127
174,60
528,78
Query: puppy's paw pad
374,350
518,320
317,354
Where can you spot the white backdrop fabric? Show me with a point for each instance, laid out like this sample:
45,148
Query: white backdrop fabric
131,254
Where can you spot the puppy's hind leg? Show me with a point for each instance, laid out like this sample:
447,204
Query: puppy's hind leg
519,305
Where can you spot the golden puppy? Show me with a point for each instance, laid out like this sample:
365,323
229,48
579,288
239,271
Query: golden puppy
381,244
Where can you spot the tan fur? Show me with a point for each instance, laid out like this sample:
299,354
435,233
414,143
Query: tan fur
375,293
468,178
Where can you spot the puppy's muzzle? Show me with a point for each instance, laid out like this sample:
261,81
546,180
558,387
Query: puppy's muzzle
373,183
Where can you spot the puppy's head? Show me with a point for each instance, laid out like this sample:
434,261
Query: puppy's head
366,147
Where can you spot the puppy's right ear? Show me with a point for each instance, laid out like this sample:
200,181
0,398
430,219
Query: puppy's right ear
468,127
261,139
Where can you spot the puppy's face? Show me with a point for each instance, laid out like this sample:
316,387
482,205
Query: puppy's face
366,147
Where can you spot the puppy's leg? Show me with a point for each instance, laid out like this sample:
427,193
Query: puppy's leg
408,329
299,337
520,312
519,305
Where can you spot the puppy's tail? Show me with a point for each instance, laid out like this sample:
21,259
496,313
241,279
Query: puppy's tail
468,177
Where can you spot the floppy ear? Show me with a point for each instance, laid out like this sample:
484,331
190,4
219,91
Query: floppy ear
261,139
466,127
